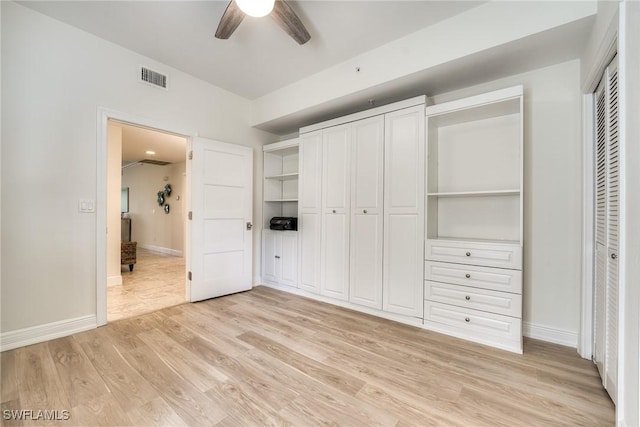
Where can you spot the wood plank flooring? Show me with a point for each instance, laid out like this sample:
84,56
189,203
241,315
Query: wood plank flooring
265,357
157,281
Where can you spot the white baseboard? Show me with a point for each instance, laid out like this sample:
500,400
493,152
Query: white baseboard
36,334
114,280
553,335
161,250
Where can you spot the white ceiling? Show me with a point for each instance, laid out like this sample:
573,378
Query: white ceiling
137,140
259,57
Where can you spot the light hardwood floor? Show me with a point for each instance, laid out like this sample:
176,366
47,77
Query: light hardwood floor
265,357
157,281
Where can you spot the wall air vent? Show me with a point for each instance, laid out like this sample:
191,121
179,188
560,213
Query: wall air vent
154,162
153,77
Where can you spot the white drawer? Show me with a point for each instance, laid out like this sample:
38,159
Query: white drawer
473,323
497,279
504,255
478,299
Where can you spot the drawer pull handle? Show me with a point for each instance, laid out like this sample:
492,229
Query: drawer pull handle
466,319
468,276
277,256
467,297
468,254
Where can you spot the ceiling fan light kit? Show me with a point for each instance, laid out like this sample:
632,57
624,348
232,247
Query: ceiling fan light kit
256,8
279,10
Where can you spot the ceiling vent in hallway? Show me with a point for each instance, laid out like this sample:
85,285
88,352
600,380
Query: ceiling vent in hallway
153,77
154,162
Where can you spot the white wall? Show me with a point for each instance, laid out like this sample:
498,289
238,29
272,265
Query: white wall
54,78
629,366
151,227
114,201
553,195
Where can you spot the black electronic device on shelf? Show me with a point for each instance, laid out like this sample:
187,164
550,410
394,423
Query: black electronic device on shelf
283,223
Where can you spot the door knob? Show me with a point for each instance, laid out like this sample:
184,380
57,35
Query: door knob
249,225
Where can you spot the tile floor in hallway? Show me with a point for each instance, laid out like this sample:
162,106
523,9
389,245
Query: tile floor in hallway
157,281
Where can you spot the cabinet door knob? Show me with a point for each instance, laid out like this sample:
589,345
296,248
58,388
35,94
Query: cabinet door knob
466,319
467,297
614,256
468,254
468,276
334,211
364,211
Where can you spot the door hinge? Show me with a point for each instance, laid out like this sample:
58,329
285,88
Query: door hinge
189,275
190,215
190,154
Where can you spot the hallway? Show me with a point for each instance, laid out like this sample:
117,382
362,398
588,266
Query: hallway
157,281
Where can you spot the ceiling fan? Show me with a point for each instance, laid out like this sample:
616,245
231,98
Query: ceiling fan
279,10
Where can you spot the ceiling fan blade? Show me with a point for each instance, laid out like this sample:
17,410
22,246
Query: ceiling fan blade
287,19
230,20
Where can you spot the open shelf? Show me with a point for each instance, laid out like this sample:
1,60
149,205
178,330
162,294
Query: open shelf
475,240
283,177
476,193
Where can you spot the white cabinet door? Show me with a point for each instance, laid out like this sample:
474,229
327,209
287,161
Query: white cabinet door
310,210
336,147
289,258
404,211
269,253
367,149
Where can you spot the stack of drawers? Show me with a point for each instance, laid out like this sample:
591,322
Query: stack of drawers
473,290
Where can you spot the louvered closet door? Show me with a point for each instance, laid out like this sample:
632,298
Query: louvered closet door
607,229
613,204
600,293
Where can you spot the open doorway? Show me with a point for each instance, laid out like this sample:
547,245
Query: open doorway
147,195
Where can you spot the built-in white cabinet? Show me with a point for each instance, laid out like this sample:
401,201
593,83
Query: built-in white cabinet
404,162
363,176
366,239
280,199
474,222
280,257
310,211
334,259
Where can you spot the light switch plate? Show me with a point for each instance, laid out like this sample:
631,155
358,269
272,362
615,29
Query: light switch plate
87,206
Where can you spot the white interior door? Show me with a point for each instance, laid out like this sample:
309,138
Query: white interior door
220,228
